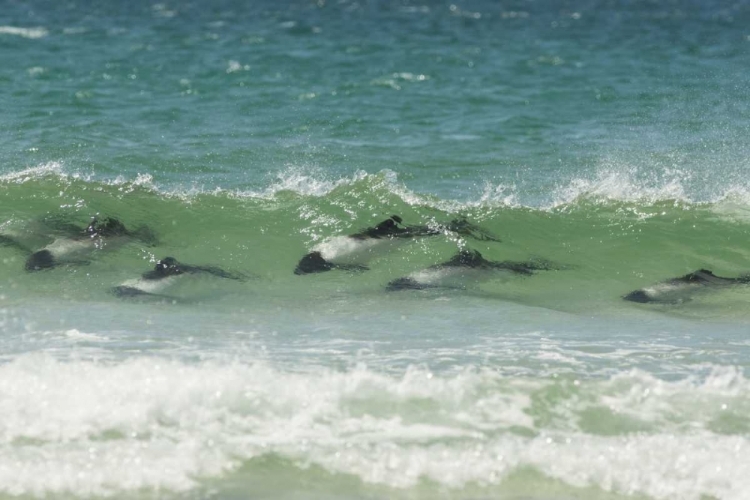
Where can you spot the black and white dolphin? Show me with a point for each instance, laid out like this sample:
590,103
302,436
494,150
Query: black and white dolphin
678,290
79,244
165,273
352,252
467,266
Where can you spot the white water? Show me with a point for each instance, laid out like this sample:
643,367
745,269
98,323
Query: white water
98,428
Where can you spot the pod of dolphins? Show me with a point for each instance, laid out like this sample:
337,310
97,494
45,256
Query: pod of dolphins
73,245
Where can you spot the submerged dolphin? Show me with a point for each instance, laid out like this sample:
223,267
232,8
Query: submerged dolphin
80,243
678,290
353,251
164,274
466,266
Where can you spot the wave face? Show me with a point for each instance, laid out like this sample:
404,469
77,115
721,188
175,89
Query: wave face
607,240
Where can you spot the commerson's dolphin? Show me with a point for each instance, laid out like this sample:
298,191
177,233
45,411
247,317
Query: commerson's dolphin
679,290
165,273
75,248
354,251
468,266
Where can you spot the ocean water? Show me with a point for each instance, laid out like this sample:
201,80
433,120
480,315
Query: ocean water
607,139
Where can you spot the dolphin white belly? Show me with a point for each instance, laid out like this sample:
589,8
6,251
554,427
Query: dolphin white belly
666,293
63,249
454,276
149,286
356,251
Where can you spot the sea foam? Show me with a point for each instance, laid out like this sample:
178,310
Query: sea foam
102,428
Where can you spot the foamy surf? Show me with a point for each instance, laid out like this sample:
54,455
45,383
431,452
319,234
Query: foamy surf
92,428
618,186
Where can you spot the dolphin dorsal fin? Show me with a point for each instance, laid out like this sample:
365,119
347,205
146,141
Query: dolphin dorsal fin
466,258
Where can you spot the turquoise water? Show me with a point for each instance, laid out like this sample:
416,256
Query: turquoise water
606,139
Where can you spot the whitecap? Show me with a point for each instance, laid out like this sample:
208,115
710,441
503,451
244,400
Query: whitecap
32,33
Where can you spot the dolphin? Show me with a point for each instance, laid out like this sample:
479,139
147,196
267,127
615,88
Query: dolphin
165,273
465,266
678,290
352,252
78,244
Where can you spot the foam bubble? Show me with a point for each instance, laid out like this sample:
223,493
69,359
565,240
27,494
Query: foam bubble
302,183
500,194
51,168
623,184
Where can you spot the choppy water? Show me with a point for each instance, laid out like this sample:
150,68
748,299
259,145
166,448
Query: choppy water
607,138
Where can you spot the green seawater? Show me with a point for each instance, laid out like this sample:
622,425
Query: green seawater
606,140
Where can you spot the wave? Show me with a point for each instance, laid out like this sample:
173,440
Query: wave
611,183
155,424
614,235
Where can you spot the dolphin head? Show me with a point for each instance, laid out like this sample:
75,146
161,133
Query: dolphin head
313,263
43,259
639,296
405,283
